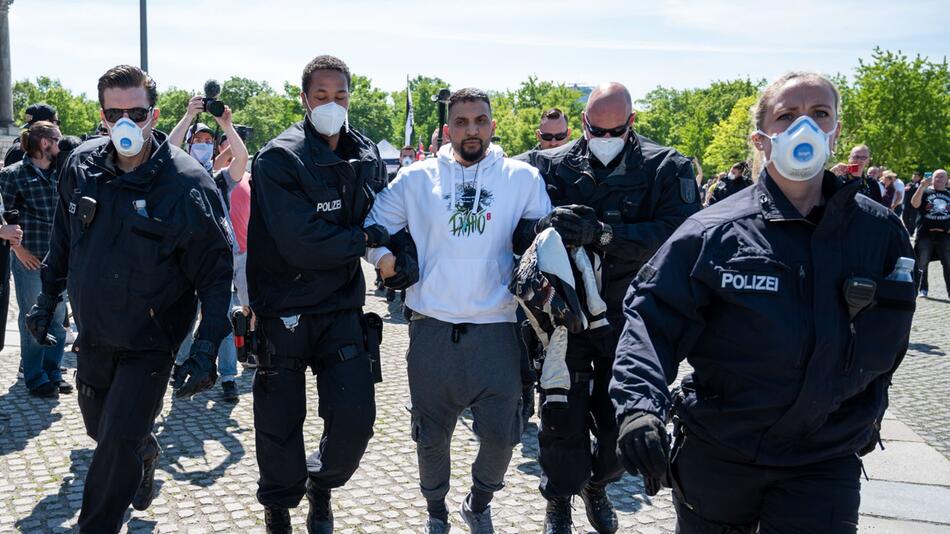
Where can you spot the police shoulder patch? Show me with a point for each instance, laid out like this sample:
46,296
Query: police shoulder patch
688,190
646,274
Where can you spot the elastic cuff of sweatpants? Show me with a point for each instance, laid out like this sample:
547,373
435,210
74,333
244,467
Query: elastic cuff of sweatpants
437,493
487,488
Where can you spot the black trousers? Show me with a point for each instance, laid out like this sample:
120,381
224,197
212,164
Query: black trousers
120,395
715,496
569,456
4,287
332,346
932,245
909,216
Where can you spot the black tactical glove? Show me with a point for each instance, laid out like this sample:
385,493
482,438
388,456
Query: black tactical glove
577,225
407,263
376,236
644,447
198,372
40,317
407,273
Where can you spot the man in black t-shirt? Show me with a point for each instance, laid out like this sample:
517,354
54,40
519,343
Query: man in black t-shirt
934,226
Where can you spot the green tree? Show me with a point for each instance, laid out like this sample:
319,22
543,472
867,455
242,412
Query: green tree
900,107
172,102
518,112
425,111
270,114
370,110
236,91
683,119
730,138
78,115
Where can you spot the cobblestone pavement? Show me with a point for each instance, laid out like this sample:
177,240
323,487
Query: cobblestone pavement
207,476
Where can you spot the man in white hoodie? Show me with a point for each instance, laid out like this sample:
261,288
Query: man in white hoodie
462,208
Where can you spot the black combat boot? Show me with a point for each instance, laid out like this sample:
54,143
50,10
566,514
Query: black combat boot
320,517
146,490
557,518
600,511
277,520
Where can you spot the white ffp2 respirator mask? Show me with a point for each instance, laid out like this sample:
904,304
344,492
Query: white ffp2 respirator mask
800,152
606,149
127,137
328,118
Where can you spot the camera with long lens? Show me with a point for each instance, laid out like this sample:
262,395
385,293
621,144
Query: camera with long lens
210,103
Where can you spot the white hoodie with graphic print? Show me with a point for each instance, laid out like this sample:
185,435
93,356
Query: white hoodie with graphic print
462,220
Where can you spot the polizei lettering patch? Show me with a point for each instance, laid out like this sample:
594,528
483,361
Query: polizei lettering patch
749,282
330,205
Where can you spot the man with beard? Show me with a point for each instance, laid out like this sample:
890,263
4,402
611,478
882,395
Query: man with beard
620,195
29,188
462,208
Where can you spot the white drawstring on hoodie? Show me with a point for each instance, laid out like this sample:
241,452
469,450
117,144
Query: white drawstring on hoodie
478,189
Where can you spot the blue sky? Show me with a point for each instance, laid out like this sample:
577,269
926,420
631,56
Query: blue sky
491,44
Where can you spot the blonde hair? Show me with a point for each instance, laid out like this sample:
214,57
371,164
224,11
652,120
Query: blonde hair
759,109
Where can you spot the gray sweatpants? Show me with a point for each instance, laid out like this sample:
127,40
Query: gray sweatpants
454,367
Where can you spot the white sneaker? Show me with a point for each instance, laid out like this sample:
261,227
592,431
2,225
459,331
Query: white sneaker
923,293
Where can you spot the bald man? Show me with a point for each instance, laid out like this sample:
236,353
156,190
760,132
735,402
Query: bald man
620,195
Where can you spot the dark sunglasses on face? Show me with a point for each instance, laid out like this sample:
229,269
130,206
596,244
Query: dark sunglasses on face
550,136
136,114
600,132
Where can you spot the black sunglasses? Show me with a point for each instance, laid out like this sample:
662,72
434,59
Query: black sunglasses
136,114
550,136
614,132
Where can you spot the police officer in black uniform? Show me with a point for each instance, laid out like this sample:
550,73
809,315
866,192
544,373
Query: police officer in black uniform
791,304
736,181
137,239
622,195
311,191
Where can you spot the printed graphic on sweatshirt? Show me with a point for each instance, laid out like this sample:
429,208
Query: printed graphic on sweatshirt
465,220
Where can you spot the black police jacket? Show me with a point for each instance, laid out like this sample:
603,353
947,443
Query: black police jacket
305,235
134,280
728,187
752,295
650,193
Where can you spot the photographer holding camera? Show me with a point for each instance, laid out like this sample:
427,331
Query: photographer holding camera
201,147
201,135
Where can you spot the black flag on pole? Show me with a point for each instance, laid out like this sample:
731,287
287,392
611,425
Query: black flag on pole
409,117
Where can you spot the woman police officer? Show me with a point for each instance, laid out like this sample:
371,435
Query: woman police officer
780,300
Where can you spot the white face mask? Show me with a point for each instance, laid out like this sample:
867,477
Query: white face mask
202,152
800,152
127,137
606,148
406,161
328,118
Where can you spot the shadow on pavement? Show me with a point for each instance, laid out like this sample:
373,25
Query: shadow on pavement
918,347
60,508
26,417
182,433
